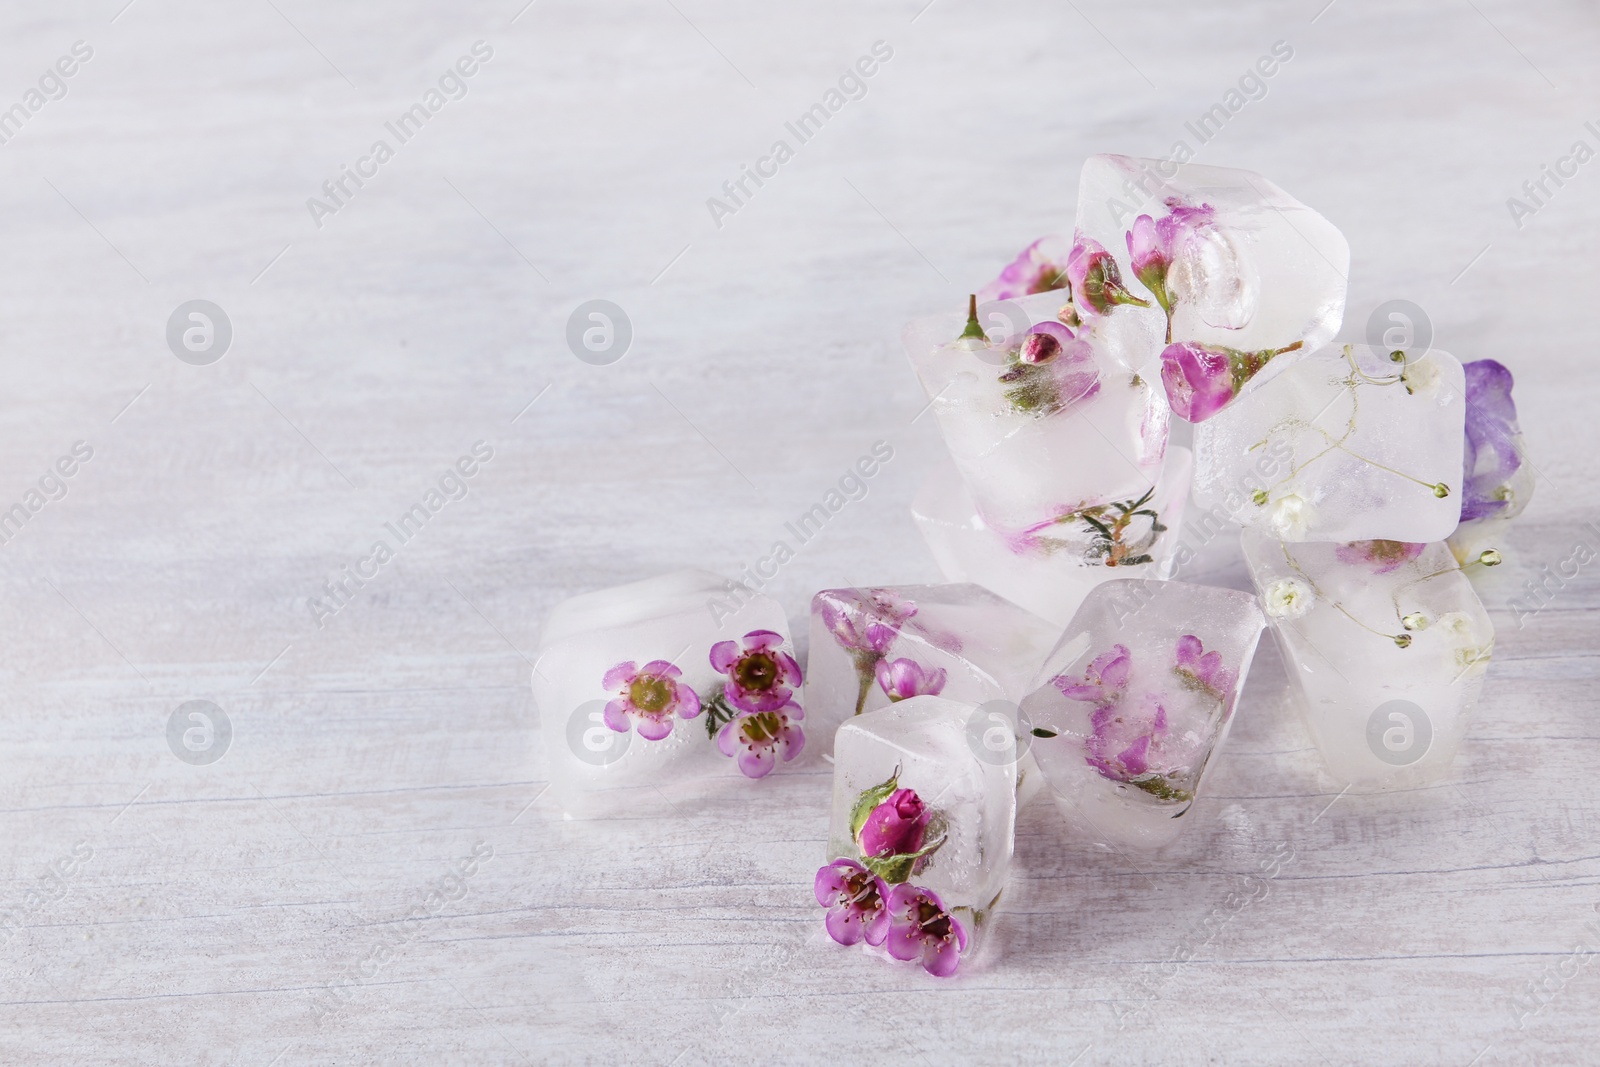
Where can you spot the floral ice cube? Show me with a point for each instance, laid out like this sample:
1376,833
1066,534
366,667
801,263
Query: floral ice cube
1222,259
681,676
874,647
1038,422
1133,704
1051,568
921,835
1364,445
1385,644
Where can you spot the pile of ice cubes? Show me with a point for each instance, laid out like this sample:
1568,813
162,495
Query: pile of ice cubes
1370,488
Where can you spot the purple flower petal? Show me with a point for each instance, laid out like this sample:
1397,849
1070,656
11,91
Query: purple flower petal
652,729
620,675
723,655
616,717
688,702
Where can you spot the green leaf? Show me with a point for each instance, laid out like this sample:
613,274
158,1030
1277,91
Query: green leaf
897,868
871,799
718,713
1158,786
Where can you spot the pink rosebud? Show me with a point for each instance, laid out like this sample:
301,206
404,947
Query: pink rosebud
1201,380
1198,380
896,827
1096,280
904,678
1039,348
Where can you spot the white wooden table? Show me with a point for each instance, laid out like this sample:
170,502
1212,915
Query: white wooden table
163,911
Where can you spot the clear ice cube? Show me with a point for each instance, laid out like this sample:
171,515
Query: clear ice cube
1049,570
1240,263
1385,644
1345,444
681,676
918,804
1036,439
1133,704
873,647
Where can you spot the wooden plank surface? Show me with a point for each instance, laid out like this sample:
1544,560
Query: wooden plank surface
378,821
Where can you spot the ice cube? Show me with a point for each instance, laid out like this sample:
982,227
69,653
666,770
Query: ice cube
1345,444
1049,570
681,676
921,835
1133,704
1037,422
1498,481
1239,262
1385,644
872,647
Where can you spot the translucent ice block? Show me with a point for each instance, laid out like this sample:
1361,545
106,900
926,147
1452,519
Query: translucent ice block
921,835
1034,440
872,647
1345,444
680,676
1386,645
1240,262
1134,703
1051,569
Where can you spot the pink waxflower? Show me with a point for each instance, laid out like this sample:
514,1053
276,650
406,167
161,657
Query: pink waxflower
921,929
1203,670
1381,556
1039,268
1153,246
857,903
649,695
762,676
758,738
896,827
1202,379
903,678
1103,681
1096,281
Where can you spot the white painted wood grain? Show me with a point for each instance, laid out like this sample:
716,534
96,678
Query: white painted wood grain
371,754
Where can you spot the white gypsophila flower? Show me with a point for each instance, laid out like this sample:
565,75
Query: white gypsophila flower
1291,517
1288,599
1421,375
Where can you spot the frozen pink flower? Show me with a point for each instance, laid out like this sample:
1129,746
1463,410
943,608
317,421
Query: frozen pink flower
1201,379
1096,281
1205,668
649,695
896,827
1039,268
1104,679
758,738
1123,742
864,621
1154,244
856,902
921,929
762,676
903,678
1381,556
